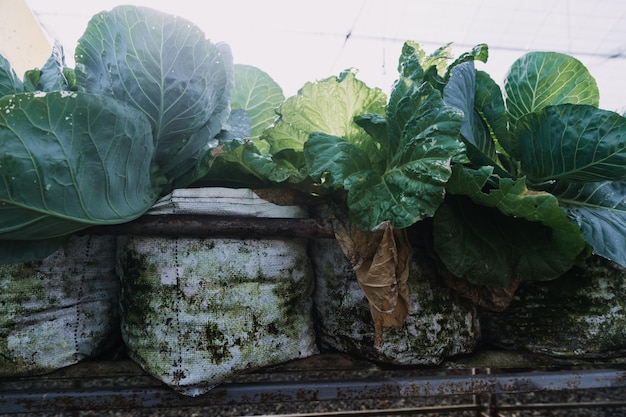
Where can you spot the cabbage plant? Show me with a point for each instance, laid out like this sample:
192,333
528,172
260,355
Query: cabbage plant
381,163
521,183
98,144
389,158
543,183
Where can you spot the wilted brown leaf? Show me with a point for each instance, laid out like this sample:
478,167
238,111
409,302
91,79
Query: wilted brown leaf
380,260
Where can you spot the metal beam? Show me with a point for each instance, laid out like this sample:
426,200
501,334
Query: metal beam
119,397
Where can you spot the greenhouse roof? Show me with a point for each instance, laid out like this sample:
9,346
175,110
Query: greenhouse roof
296,41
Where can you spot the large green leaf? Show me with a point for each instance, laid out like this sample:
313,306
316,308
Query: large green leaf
164,66
328,106
599,210
411,77
415,68
460,92
334,158
540,79
411,186
258,94
572,143
486,247
69,161
522,233
421,119
489,104
431,130
512,198
403,195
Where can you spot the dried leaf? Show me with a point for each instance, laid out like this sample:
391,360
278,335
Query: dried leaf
358,245
380,260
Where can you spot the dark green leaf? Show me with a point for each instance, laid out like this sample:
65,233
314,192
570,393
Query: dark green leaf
460,92
375,125
411,77
334,159
412,184
403,195
512,198
392,160
412,66
487,247
71,160
164,66
489,104
599,210
421,119
411,58
572,143
430,128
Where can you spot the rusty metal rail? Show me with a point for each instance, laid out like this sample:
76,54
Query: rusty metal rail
404,392
202,226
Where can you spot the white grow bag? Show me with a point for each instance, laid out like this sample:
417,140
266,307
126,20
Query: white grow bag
60,310
197,311
439,324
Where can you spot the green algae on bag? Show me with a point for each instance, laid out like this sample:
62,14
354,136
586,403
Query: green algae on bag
579,315
197,311
60,310
439,324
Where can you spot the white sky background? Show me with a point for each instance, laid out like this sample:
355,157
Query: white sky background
299,41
